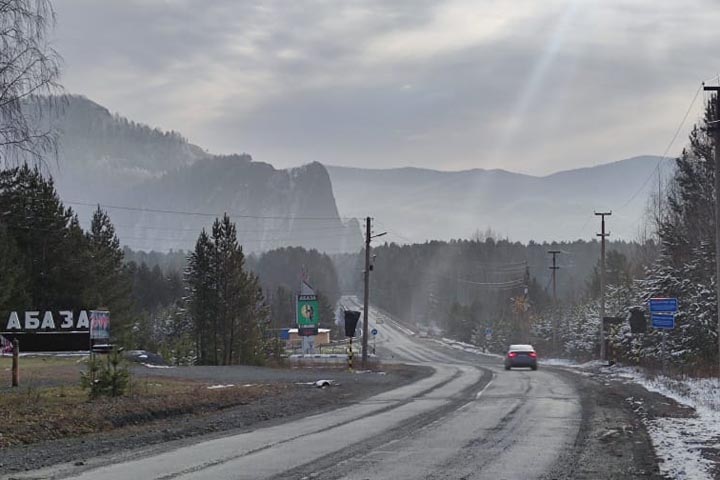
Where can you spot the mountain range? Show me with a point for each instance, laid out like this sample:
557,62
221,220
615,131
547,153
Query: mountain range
160,190
416,204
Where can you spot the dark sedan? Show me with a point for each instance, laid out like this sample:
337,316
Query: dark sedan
521,356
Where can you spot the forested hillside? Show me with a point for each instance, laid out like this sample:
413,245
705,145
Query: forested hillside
93,138
161,189
466,286
210,305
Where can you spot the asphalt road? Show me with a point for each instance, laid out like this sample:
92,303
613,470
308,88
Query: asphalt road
468,420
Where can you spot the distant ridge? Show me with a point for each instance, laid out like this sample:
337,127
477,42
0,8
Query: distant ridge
423,204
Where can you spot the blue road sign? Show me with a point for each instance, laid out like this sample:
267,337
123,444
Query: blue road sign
663,305
374,331
488,331
660,320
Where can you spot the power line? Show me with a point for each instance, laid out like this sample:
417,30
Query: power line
201,214
664,155
197,229
509,283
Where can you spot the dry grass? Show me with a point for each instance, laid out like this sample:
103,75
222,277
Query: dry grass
30,414
37,370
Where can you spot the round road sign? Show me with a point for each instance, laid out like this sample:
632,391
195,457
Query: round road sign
374,331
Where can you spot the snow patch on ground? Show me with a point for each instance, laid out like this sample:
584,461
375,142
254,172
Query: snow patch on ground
150,365
558,362
49,354
216,387
564,362
465,347
679,442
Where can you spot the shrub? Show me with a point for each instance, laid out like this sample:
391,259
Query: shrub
110,378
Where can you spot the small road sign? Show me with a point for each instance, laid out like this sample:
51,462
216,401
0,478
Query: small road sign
663,305
374,331
663,321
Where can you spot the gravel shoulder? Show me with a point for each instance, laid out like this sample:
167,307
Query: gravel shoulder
292,398
613,442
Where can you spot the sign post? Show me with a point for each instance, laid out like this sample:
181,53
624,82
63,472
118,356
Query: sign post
662,315
16,363
351,321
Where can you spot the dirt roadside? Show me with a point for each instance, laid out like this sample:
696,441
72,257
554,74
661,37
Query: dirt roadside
292,397
613,442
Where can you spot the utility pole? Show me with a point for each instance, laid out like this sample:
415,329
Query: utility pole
715,127
554,270
526,304
659,201
366,296
366,300
602,235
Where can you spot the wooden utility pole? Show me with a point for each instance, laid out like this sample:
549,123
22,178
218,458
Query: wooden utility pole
366,296
715,128
602,235
554,268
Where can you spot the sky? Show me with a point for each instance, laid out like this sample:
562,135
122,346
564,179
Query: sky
523,85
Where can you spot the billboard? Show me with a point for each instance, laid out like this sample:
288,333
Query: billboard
47,330
308,315
99,325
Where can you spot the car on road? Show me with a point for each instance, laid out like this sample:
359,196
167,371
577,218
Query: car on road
521,356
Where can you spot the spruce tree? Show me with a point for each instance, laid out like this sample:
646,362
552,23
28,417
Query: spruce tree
44,234
202,299
109,283
224,301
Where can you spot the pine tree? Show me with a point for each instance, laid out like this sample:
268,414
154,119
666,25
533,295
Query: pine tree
225,301
109,283
13,278
202,299
44,233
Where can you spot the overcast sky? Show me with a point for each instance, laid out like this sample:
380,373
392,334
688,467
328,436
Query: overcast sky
533,86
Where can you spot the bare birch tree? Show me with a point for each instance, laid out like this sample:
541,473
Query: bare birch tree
29,80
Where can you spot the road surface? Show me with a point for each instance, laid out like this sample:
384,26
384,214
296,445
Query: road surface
470,419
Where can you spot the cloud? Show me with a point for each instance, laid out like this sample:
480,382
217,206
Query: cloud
524,85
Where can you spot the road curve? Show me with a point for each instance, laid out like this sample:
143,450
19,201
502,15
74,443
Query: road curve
470,419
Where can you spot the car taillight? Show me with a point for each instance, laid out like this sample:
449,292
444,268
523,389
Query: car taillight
532,355
512,355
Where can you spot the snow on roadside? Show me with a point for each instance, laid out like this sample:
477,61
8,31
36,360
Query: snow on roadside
563,362
150,365
679,442
216,387
465,347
